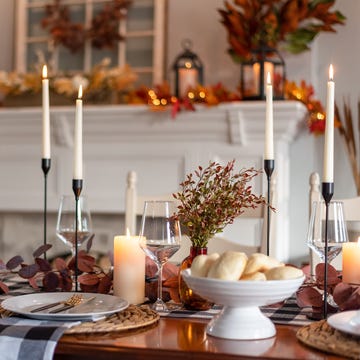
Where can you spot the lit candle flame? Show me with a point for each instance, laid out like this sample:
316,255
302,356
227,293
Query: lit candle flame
268,79
331,73
44,72
80,92
127,233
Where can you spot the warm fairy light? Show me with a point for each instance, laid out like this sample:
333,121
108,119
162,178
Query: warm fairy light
188,65
152,94
80,92
191,95
156,102
202,94
331,73
173,99
44,72
163,101
320,116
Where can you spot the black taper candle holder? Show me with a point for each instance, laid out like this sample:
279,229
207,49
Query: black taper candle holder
269,166
45,166
77,187
327,193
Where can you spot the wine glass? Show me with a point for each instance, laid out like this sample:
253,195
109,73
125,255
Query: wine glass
65,226
160,237
337,232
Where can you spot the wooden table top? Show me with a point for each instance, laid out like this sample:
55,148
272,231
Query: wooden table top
173,339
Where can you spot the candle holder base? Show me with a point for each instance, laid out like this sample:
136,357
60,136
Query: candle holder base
77,187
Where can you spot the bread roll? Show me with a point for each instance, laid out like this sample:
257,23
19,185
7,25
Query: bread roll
201,264
229,266
260,263
257,276
283,273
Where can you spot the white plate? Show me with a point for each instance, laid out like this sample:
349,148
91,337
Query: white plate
94,309
346,321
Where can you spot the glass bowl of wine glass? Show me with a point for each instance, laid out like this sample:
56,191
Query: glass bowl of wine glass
65,226
160,237
336,231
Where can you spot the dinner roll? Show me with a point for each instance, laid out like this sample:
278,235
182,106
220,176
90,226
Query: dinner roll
229,266
260,263
258,276
201,264
283,273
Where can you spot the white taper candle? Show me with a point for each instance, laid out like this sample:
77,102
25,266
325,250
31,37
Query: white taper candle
328,172
78,161
45,115
269,141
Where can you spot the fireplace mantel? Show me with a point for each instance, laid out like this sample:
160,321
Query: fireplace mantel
160,149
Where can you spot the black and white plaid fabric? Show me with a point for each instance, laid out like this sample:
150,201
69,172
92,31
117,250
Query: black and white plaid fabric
24,339
289,313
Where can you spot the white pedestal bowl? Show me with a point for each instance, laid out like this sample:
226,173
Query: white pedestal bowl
241,318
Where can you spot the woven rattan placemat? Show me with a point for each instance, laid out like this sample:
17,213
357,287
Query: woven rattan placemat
133,317
320,335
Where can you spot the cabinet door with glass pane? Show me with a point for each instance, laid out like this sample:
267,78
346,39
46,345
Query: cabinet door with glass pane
142,28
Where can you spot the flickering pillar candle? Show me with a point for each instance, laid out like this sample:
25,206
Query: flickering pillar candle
188,78
269,140
351,262
129,269
328,171
78,160
45,115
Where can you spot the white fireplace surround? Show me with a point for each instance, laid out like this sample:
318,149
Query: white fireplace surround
117,139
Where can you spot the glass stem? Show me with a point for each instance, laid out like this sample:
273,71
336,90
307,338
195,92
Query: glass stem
160,267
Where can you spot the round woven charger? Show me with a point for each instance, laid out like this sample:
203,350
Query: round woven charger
133,317
320,335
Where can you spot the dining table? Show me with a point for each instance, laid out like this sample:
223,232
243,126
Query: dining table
177,334
183,338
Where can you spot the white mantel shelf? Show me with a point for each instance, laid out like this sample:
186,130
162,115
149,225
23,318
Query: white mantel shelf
160,149
236,123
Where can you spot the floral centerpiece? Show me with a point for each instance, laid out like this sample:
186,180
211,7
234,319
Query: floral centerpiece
210,199
287,24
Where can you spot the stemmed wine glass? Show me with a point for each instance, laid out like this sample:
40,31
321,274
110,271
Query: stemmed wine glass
337,232
65,226
160,237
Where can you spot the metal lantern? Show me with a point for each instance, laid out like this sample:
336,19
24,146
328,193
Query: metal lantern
254,74
188,70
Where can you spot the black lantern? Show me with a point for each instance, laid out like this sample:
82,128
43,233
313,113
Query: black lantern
254,74
188,70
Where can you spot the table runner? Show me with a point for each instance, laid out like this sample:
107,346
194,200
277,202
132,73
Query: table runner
289,313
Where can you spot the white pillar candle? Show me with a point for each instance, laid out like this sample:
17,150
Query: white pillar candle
78,161
188,78
129,269
269,141
45,115
328,171
351,262
268,68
